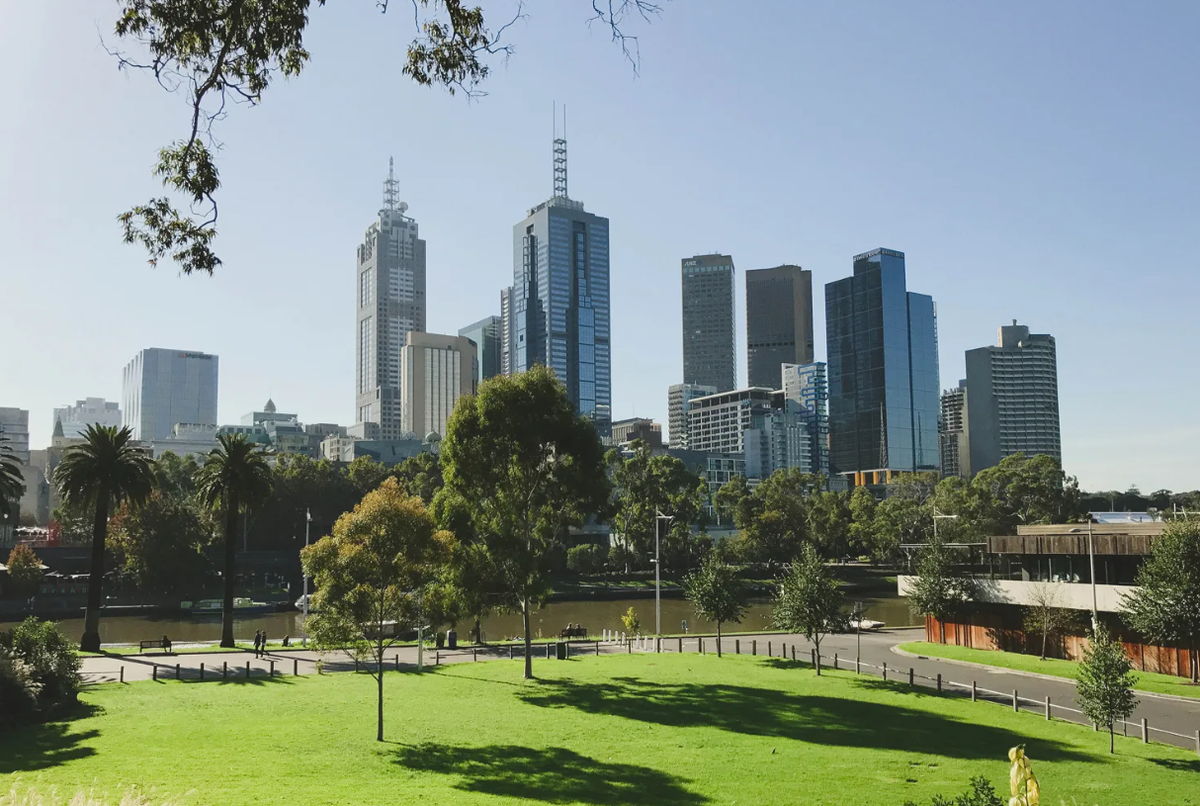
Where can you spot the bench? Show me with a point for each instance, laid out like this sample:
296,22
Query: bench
574,632
156,644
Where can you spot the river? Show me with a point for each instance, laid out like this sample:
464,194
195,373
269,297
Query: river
595,615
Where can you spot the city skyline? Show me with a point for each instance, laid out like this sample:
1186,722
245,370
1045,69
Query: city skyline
1002,209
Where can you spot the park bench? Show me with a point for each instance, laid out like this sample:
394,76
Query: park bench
155,644
574,632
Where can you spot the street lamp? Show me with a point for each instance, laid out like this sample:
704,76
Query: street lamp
304,626
1091,566
936,516
658,516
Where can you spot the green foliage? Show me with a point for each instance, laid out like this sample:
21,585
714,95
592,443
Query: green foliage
809,600
940,589
646,485
716,594
729,498
472,577
421,475
37,659
586,559
12,481
1166,604
1105,685
774,517
981,793
175,476
1026,490
830,520
24,569
862,520
631,622
1044,618
161,545
530,468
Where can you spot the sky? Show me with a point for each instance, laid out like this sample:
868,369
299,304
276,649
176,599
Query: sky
1034,160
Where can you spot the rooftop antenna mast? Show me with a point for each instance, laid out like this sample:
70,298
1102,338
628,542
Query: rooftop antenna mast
391,188
560,155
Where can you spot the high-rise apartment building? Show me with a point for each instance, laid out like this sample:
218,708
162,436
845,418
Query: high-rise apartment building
779,322
161,388
952,433
391,303
435,372
806,385
709,337
883,372
506,331
759,423
679,397
89,411
559,299
487,337
1012,398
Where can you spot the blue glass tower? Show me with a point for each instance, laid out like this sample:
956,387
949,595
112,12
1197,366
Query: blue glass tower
559,300
883,372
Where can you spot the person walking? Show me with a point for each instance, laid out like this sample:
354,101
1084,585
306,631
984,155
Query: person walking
257,642
264,643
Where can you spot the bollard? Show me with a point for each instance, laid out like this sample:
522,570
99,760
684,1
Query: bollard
597,649
224,670
769,655
248,669
437,656
397,661
355,666
295,667
753,646
973,694
910,676
176,671
857,665
154,673
681,645
737,646
475,654
122,674
1047,709
885,670
547,652
783,650
1145,732
510,654
629,647
658,645
835,661
1016,702
272,668
701,646
201,671
1095,728
939,681
1198,742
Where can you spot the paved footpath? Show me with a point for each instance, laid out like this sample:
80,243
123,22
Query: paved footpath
877,649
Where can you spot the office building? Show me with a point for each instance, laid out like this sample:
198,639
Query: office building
953,444
1012,398
487,337
391,303
269,414
758,422
806,385
506,331
559,299
679,396
14,428
161,388
709,337
435,371
779,322
89,411
883,372
648,431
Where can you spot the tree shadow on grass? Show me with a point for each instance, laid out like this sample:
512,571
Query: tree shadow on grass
1182,765
37,747
550,775
812,718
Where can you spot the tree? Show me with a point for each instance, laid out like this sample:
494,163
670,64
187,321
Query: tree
472,575
1166,604
161,545
585,559
716,593
370,573
774,518
645,486
939,589
631,622
862,520
1044,616
729,498
809,600
12,480
103,471
24,569
829,522
175,475
219,52
531,468
904,516
1026,490
421,475
1105,684
235,478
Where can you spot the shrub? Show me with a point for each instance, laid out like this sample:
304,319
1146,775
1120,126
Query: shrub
981,793
38,650
631,622
585,559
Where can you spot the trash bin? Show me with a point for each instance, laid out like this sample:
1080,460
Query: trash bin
561,650
441,640
452,639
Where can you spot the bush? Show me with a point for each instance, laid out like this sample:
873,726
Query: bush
585,559
981,793
36,654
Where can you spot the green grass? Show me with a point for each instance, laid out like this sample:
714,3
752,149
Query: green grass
1146,681
636,730
272,646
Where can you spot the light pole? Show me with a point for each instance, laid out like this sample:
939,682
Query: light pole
938,516
1091,566
858,614
658,516
304,599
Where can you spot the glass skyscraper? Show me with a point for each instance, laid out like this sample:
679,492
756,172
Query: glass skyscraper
486,335
709,352
162,388
559,301
883,372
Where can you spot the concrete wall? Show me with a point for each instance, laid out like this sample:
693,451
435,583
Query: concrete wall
1068,595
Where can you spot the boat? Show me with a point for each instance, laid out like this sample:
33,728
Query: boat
242,606
865,624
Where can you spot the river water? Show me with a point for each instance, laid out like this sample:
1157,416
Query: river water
595,615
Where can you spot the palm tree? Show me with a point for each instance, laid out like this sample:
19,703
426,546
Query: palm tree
106,469
12,481
235,476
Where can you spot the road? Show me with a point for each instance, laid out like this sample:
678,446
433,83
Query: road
1177,717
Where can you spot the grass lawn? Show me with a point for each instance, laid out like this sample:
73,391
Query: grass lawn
637,730
1146,681
273,646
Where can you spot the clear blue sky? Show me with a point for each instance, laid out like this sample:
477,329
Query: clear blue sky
1035,161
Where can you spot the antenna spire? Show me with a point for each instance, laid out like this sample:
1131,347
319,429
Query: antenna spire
391,188
560,156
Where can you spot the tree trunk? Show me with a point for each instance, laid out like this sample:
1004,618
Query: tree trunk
1044,636
90,642
942,629
478,629
817,656
528,640
231,517
1111,740
379,680
718,639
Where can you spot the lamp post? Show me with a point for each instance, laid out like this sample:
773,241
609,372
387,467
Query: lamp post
938,516
1091,567
304,599
658,516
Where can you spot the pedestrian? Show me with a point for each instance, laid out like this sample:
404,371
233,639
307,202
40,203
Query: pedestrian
264,643
257,642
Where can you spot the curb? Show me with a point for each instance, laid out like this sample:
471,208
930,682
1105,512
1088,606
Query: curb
1154,695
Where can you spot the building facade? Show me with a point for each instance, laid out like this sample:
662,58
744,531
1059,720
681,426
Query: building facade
559,299
779,322
487,337
758,423
391,303
807,386
14,428
642,428
709,335
435,371
161,388
89,411
953,444
679,396
1012,401
883,372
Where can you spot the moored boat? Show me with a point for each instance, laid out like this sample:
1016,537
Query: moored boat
242,606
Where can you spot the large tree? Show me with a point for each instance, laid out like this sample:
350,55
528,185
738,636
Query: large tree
716,593
809,601
1165,606
531,468
829,522
774,518
100,473
420,475
1026,490
370,576
940,589
221,52
235,478
24,569
646,486
161,545
1104,687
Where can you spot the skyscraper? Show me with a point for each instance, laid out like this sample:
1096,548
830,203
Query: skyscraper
162,388
679,398
1012,398
883,372
779,322
486,335
559,300
953,442
435,372
391,302
709,352
807,386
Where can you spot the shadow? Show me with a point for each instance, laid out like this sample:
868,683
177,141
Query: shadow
809,718
38,747
1182,765
551,775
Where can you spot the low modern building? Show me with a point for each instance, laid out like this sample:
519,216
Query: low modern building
435,371
89,411
679,398
648,431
